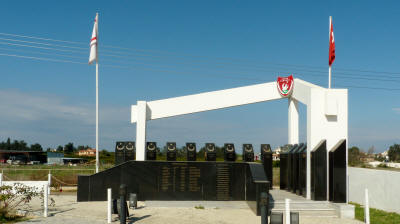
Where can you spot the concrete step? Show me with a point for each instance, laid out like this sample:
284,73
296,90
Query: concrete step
306,208
312,213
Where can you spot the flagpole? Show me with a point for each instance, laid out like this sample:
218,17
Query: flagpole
330,74
330,67
97,117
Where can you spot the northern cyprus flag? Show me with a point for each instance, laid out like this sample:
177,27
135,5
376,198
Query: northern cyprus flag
93,41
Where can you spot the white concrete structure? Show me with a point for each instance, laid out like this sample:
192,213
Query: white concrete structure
326,112
383,190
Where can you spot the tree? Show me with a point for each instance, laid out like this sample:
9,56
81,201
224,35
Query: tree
60,148
36,147
394,153
371,150
354,156
19,145
8,144
69,148
104,153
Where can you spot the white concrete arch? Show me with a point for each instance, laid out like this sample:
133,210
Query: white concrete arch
327,112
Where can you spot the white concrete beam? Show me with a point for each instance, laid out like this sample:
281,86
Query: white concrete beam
209,101
293,122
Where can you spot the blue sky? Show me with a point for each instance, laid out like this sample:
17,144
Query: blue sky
171,48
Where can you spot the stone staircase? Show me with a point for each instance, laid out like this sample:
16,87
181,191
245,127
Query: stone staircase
306,208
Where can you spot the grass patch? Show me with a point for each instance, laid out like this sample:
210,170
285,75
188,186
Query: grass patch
199,207
376,216
12,219
62,174
275,176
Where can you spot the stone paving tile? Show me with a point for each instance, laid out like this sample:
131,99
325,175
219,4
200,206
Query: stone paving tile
68,211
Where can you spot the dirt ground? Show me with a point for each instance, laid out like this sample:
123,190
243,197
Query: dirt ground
67,211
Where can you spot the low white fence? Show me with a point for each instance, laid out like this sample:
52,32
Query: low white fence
36,184
382,185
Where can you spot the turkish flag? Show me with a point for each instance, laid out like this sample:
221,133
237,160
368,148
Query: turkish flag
331,45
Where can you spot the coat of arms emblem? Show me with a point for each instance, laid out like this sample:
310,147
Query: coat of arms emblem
285,85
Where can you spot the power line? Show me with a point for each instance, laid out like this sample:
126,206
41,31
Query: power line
121,56
46,44
286,71
163,70
189,55
175,72
43,53
42,59
39,38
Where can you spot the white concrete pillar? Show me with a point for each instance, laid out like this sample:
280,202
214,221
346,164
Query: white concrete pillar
309,148
109,201
49,182
315,129
287,211
141,130
293,121
366,207
45,199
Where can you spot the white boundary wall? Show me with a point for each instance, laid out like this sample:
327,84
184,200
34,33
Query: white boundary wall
383,188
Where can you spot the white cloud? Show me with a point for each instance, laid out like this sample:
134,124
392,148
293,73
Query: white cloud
30,107
53,120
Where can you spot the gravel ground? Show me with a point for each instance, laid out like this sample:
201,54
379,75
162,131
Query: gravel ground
68,211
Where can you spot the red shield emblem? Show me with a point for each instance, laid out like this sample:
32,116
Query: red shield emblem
285,85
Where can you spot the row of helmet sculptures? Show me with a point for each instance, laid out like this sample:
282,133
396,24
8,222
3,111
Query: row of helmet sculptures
127,149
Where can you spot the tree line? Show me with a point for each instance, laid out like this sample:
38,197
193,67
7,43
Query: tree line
21,145
356,153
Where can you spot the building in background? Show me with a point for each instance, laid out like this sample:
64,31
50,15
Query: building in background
87,152
55,158
22,157
276,153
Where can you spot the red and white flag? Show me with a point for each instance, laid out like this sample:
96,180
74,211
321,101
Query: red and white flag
331,44
93,42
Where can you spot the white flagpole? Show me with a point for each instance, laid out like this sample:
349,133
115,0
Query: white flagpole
97,96
97,117
330,67
330,74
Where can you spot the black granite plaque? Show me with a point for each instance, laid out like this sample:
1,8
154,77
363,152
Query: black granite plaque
291,167
163,180
302,156
266,157
338,172
130,151
191,153
119,153
318,172
283,168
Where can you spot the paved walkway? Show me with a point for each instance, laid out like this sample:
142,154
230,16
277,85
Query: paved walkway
68,211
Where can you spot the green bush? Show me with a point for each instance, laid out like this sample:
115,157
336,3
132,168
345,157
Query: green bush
14,197
382,165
